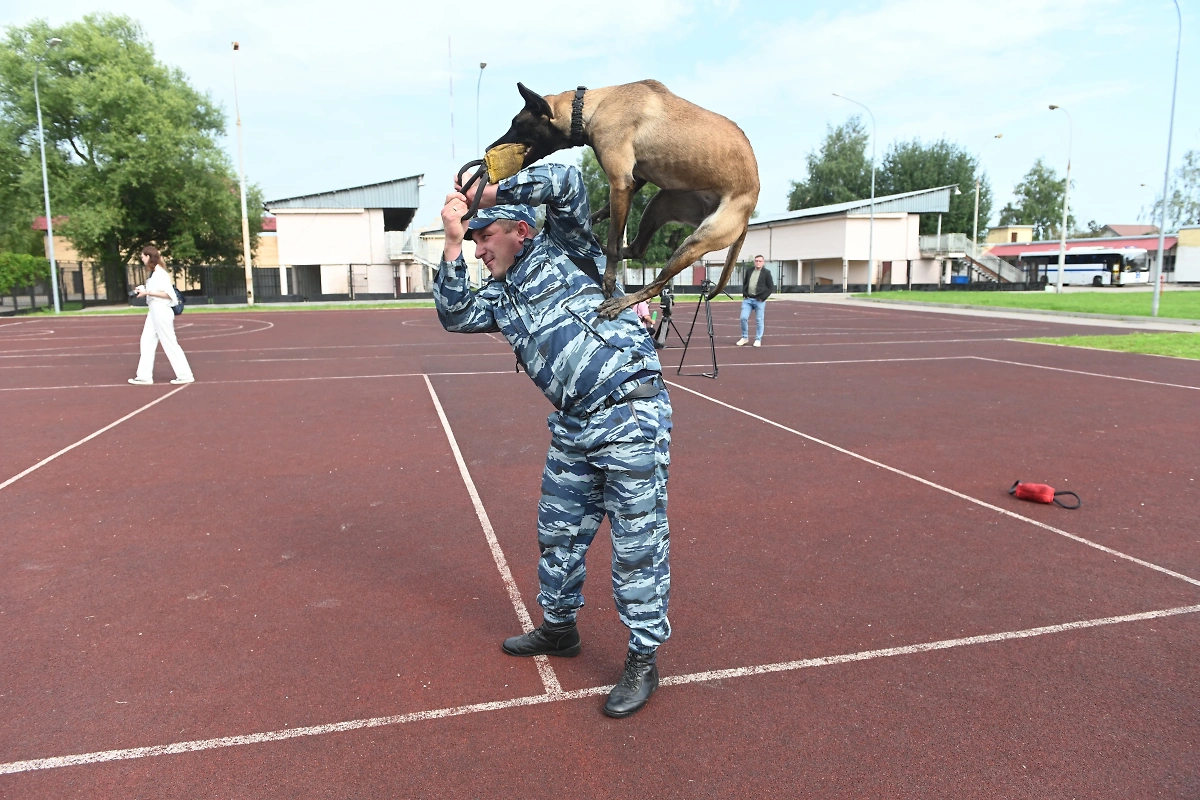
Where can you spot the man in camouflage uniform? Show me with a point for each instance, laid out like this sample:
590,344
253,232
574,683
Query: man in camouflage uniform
611,432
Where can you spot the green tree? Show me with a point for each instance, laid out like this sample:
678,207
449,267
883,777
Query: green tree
1184,208
665,241
1039,202
838,172
18,198
911,166
132,146
19,270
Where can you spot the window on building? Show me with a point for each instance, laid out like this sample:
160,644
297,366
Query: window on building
1013,236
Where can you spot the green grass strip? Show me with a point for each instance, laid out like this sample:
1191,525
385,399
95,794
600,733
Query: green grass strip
1173,304
1179,345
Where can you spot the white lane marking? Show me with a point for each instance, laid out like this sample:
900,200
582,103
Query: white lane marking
193,746
267,380
90,436
1082,372
549,679
944,644
945,489
844,361
49,352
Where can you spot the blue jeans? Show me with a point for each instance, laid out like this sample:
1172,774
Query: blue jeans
760,309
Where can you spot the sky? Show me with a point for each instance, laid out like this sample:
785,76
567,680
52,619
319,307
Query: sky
342,94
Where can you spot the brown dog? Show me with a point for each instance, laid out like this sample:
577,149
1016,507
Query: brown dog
642,133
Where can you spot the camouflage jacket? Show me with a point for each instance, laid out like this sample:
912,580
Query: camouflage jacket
545,306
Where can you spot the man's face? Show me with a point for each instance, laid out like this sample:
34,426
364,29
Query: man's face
758,262
498,247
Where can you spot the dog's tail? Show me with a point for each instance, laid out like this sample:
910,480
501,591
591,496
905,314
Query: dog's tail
730,260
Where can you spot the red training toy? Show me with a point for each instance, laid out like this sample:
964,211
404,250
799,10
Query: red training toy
1041,493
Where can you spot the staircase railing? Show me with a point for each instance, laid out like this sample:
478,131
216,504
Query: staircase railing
959,245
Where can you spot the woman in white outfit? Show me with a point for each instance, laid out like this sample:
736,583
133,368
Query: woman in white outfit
161,295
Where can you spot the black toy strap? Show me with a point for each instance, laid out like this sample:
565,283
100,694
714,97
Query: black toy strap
1058,502
466,187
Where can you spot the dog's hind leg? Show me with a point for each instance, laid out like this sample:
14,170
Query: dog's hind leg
723,228
688,208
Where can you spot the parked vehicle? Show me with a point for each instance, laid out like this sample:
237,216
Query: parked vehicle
1092,266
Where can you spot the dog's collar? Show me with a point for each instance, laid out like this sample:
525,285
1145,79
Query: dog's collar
577,117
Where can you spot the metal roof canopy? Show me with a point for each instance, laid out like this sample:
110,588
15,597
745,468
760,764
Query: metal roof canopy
400,193
922,201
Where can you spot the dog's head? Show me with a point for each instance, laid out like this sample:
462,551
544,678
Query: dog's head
534,127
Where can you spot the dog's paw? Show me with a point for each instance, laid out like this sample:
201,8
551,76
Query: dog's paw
608,284
610,308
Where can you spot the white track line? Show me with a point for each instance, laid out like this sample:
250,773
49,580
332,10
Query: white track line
549,679
1081,372
272,380
945,489
89,437
193,746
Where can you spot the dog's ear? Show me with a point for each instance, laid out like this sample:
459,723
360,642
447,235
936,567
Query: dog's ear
535,102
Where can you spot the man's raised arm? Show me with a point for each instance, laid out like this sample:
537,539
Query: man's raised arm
459,309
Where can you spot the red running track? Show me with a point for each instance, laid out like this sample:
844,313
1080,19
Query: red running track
289,544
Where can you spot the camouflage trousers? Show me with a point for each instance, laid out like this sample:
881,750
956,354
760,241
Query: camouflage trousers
613,463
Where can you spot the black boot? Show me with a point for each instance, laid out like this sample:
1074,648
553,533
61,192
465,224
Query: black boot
637,683
551,639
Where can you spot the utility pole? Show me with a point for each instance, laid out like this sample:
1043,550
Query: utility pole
37,100
1062,239
478,85
242,181
1156,273
871,234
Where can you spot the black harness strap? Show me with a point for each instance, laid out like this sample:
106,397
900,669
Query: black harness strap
577,117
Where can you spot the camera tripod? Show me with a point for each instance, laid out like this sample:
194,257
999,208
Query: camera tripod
667,324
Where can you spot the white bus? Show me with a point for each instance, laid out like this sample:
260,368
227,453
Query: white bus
1091,266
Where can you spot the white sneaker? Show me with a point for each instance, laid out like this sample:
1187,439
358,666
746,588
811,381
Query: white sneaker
758,342
141,382
740,342
178,381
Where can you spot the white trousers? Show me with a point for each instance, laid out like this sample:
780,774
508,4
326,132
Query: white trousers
160,327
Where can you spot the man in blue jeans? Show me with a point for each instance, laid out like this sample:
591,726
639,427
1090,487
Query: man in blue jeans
756,288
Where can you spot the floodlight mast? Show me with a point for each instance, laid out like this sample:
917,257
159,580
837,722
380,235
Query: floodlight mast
37,101
242,180
478,85
871,229
1062,239
1156,273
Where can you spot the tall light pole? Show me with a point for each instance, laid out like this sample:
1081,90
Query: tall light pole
450,71
242,180
871,234
478,84
975,230
37,101
1062,239
1156,273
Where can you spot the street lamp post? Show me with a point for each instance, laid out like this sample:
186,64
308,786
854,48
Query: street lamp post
1062,239
975,230
478,84
871,233
1156,274
242,179
37,101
